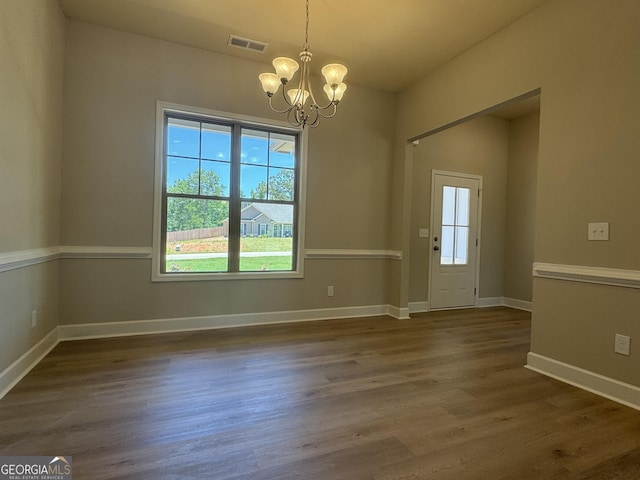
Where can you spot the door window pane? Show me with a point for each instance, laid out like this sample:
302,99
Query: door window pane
448,205
454,249
462,245
462,206
446,249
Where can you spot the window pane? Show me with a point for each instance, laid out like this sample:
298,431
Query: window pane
268,252
183,138
216,142
255,147
462,245
281,184
446,248
215,178
253,181
462,206
182,175
448,205
282,150
193,213
197,232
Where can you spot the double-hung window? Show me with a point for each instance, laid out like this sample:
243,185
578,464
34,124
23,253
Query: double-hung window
223,184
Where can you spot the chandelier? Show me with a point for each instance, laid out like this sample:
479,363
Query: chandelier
300,104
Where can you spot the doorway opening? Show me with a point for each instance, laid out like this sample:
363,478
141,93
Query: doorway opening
500,145
455,227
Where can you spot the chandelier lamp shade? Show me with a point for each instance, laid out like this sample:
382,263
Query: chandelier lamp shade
299,103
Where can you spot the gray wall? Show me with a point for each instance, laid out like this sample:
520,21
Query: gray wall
31,77
521,207
112,83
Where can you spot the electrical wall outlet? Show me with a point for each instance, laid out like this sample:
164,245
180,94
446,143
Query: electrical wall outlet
34,319
623,344
330,291
598,231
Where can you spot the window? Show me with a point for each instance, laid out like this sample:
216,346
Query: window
224,183
455,226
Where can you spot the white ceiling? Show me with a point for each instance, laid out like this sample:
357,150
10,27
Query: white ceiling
386,44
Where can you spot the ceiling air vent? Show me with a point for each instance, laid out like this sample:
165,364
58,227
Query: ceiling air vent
247,44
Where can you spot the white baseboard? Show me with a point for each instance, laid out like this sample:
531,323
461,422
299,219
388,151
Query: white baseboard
504,302
185,324
399,313
485,302
418,307
11,375
517,304
610,388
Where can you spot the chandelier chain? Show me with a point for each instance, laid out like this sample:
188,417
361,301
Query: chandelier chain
306,29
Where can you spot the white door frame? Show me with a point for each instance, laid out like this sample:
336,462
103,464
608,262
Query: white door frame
478,233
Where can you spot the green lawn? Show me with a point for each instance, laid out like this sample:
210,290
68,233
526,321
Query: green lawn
219,245
247,264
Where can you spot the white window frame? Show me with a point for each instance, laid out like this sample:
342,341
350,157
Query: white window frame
156,258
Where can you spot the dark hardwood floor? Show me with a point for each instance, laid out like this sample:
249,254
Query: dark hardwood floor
441,396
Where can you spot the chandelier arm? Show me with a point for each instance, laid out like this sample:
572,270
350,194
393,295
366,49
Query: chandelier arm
293,117
316,119
327,106
286,110
332,114
284,97
312,97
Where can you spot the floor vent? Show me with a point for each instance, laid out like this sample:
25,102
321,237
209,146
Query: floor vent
247,44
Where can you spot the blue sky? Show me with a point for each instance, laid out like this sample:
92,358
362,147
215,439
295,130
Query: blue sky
258,161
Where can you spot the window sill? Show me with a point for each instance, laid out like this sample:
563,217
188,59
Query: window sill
206,277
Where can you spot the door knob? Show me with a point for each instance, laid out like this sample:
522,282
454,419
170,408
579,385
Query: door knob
436,248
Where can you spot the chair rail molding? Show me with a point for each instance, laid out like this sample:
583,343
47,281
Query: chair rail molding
352,253
577,273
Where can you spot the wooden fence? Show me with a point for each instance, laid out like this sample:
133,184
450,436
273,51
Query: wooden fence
196,234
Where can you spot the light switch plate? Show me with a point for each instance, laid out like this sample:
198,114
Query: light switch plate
423,233
598,231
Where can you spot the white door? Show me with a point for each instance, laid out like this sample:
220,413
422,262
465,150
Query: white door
454,240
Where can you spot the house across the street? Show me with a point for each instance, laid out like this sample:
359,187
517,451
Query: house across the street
266,219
